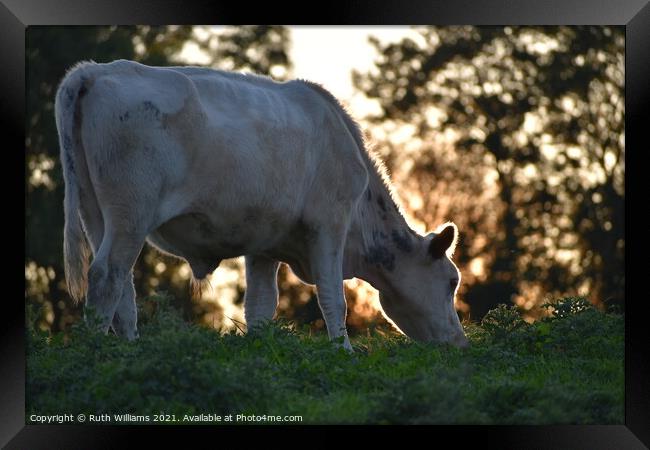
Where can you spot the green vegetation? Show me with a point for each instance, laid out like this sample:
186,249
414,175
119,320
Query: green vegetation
564,369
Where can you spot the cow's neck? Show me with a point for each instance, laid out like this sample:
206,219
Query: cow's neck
379,237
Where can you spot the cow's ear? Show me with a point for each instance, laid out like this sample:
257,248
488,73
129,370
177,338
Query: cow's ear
442,241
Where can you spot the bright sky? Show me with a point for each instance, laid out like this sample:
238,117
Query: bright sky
328,54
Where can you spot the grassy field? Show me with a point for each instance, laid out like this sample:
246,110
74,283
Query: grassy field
567,369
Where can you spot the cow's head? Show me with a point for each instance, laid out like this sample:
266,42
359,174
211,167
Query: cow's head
419,299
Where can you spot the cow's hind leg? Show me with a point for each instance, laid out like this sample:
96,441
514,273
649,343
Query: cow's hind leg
326,264
109,278
125,320
261,298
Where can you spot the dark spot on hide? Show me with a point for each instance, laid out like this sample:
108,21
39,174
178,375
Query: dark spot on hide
83,90
381,203
67,142
402,241
379,255
69,164
152,109
69,96
149,150
379,236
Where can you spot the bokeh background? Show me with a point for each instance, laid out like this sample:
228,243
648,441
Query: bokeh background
514,133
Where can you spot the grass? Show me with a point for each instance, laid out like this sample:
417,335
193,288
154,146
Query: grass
566,369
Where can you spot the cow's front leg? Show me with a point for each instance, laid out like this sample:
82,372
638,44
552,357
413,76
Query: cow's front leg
261,298
326,263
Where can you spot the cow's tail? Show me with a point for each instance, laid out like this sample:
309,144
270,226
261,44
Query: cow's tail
76,251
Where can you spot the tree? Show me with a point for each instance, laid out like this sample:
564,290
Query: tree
258,49
534,114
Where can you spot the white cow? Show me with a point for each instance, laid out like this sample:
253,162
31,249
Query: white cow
207,165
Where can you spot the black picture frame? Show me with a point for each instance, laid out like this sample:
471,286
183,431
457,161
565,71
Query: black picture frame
16,15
